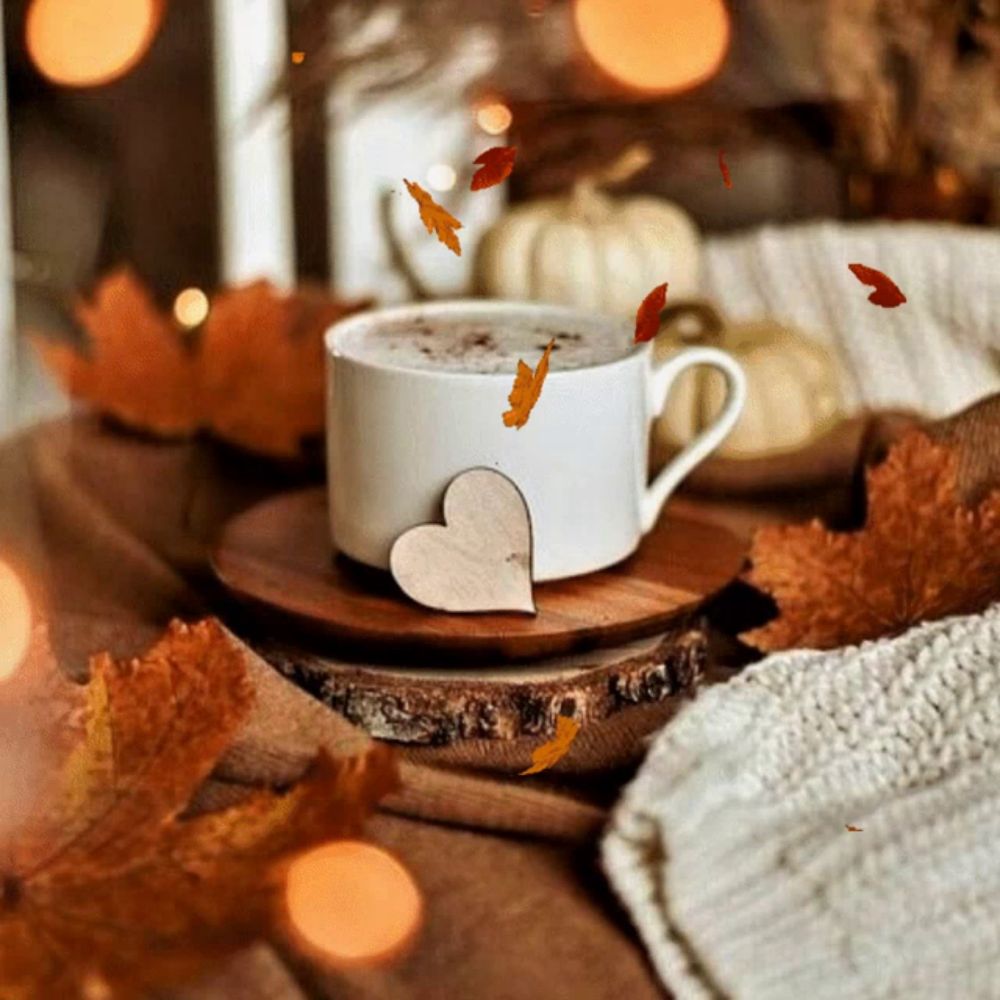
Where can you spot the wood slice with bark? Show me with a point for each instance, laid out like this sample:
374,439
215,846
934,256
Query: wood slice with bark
431,706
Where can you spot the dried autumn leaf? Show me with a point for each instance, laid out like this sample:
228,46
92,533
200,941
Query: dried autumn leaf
497,164
256,378
724,169
548,754
105,881
436,219
887,293
854,829
647,317
140,368
921,555
527,389
262,360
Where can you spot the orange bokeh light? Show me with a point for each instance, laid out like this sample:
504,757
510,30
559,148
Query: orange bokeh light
494,117
352,903
15,622
660,46
85,43
191,308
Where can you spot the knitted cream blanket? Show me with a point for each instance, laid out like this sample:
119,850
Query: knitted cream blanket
935,354
730,848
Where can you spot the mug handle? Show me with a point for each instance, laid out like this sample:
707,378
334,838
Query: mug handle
661,378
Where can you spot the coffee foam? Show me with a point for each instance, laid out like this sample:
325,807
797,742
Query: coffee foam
488,346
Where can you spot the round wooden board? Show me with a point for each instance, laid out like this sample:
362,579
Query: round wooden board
444,706
278,555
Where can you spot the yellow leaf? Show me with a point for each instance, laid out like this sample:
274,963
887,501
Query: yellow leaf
543,757
435,218
527,389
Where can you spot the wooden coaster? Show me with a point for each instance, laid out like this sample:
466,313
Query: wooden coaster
278,556
444,706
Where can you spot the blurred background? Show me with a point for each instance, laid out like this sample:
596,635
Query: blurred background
208,142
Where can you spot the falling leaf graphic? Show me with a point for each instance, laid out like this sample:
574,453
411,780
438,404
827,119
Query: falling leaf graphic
854,829
436,219
922,555
647,318
497,164
886,294
724,169
543,757
527,389
108,879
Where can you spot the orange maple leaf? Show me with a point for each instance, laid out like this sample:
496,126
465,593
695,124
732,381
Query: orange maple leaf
921,555
436,219
107,881
261,366
497,165
543,757
647,317
140,367
527,389
253,376
887,293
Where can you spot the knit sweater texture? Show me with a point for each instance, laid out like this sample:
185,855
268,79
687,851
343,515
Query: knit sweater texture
935,354
731,850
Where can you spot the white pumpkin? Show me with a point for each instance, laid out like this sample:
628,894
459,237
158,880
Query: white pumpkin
590,250
793,392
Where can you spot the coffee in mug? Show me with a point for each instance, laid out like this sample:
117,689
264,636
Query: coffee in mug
424,343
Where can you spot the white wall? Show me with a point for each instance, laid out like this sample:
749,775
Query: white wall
255,157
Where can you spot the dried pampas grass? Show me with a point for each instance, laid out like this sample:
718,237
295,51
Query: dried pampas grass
919,81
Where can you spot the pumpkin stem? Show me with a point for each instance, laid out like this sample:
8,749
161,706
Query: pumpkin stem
587,204
633,159
586,201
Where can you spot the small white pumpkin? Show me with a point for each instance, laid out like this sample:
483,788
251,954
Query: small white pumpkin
591,250
793,395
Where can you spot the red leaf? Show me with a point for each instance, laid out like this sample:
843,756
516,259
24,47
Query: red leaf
647,319
886,294
497,164
723,166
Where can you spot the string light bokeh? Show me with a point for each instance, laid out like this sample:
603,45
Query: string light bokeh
191,308
493,117
352,903
15,622
441,177
86,43
657,46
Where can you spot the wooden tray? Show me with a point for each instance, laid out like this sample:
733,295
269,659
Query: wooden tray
278,555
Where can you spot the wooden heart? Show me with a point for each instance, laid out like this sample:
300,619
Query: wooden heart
480,558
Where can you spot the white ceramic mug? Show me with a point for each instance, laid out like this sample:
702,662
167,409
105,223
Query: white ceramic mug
397,436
